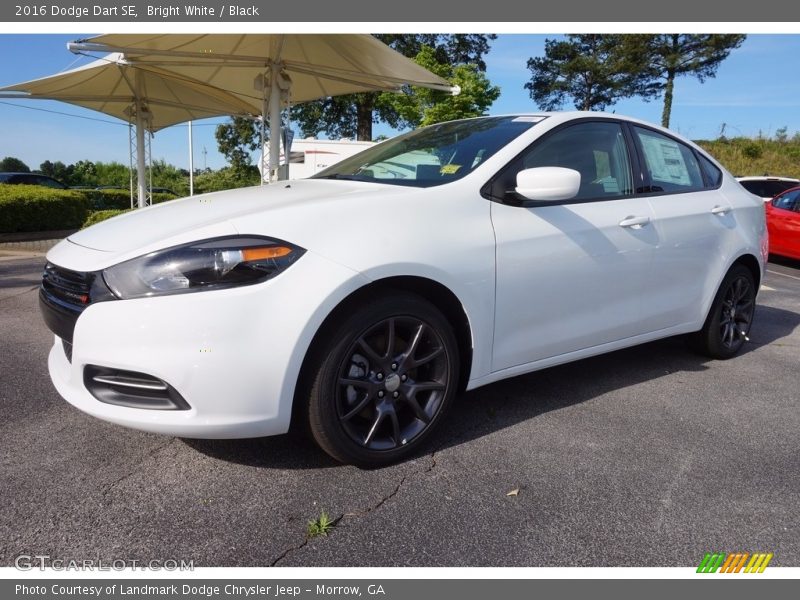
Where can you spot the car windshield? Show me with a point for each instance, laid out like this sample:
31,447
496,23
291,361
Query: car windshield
432,155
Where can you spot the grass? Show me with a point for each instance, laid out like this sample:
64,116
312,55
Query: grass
757,156
320,526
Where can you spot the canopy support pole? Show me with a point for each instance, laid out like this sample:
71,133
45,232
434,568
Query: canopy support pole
141,175
274,123
191,162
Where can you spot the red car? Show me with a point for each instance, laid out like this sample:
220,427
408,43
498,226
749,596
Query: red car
783,222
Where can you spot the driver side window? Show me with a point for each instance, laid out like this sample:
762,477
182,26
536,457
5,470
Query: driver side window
789,201
597,150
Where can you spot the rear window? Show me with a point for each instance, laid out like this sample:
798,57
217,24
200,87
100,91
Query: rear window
767,188
711,173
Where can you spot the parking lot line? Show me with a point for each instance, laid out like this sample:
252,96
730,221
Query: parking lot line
783,274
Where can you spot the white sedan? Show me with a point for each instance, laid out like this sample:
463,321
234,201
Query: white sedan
362,301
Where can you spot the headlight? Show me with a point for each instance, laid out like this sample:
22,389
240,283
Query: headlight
205,265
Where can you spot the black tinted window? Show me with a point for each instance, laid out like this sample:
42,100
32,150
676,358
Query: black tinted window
712,174
766,188
597,150
789,201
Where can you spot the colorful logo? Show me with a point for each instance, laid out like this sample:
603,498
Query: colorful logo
734,562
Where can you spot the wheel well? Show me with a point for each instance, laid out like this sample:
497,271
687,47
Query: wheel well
749,262
435,293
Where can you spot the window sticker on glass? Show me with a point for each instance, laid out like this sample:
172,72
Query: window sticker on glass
527,119
665,160
449,169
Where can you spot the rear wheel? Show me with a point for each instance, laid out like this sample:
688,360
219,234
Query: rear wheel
728,323
382,381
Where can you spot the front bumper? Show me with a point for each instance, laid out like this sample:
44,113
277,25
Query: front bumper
234,355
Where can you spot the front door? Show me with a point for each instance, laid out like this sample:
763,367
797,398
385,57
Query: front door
570,275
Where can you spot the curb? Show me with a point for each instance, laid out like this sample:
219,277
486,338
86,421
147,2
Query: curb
35,236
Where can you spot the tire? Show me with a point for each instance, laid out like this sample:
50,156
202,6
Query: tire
730,317
382,380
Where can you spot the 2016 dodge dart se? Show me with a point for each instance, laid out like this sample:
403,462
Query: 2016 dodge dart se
361,301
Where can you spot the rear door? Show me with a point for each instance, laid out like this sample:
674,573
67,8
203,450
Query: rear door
692,219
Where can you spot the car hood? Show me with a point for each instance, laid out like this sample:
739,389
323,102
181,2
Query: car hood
290,210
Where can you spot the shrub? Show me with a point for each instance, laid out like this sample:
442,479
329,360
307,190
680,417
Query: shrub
159,198
37,208
111,199
752,151
101,215
225,179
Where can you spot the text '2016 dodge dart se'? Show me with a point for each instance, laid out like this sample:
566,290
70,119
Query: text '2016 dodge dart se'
359,302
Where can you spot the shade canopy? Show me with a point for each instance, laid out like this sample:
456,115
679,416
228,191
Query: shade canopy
318,65
274,69
159,80
112,85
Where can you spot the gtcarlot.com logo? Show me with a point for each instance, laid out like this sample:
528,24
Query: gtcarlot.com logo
734,562
42,562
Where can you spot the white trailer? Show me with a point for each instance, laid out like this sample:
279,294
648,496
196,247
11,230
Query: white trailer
310,156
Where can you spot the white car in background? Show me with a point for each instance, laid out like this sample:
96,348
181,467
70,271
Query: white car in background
360,302
767,187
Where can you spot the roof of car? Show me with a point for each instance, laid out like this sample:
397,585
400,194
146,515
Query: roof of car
766,178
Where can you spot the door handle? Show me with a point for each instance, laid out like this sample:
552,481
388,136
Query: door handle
634,222
720,210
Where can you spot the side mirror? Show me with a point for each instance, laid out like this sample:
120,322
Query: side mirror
548,184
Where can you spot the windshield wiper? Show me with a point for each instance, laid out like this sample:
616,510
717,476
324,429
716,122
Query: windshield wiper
340,176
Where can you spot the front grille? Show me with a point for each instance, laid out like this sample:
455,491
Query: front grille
69,287
65,294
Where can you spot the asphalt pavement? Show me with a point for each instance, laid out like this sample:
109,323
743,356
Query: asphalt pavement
650,456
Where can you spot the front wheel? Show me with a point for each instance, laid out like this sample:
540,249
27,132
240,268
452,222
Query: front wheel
382,381
728,323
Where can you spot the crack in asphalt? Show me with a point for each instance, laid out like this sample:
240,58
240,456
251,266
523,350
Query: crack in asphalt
307,539
360,514
365,512
137,467
22,293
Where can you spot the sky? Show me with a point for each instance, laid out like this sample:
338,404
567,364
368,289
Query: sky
753,93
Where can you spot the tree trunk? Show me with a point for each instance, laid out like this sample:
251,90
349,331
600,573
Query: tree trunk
665,115
364,106
672,61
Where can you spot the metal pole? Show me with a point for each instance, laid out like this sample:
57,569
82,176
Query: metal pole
140,166
140,162
191,162
274,123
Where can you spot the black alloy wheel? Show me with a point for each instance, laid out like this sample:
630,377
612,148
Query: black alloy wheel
384,381
728,323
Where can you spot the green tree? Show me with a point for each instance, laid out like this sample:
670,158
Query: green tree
14,165
588,70
673,55
171,177
110,173
352,116
58,170
85,173
423,106
237,140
